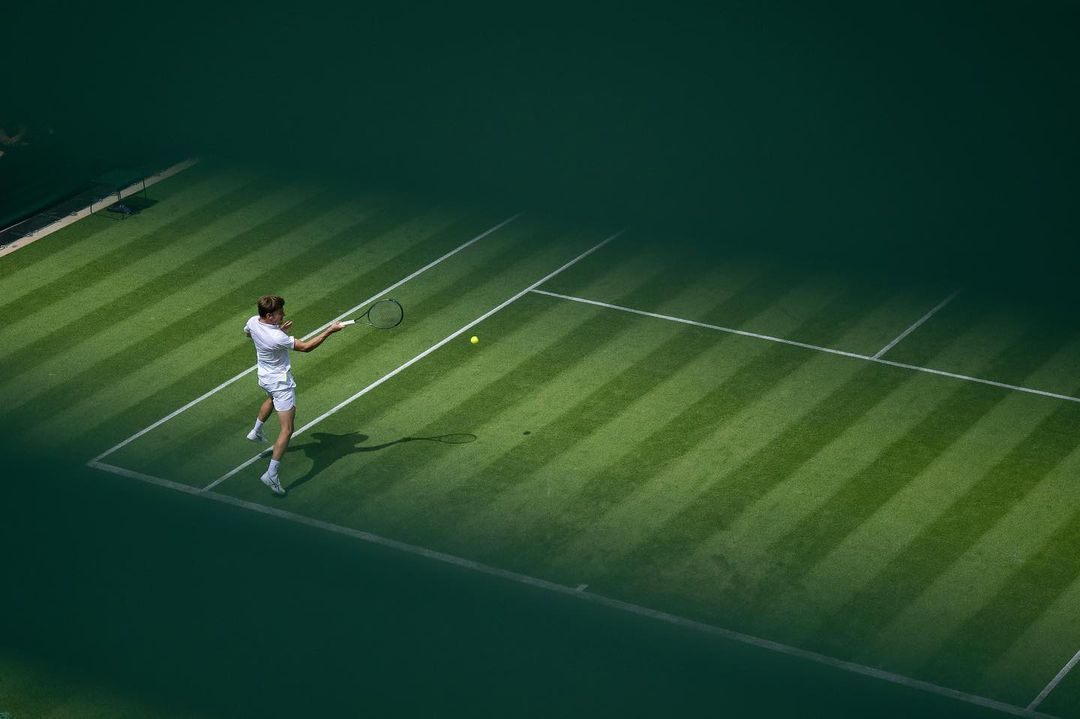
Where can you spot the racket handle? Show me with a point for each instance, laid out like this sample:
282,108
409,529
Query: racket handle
348,322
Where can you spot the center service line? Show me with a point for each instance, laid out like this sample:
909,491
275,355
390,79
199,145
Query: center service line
417,358
915,326
309,335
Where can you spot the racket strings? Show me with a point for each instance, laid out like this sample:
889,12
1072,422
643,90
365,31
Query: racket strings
385,314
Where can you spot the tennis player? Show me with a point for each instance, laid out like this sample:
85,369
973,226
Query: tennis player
269,331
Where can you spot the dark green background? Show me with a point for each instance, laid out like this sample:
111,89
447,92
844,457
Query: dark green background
939,135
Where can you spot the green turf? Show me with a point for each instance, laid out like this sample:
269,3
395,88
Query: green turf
913,522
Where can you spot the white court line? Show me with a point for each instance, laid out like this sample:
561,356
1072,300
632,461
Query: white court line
580,593
915,326
719,328
309,335
1054,682
816,348
417,358
95,206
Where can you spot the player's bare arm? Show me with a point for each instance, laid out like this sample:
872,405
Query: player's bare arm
308,345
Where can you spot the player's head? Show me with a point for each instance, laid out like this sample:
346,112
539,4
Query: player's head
271,307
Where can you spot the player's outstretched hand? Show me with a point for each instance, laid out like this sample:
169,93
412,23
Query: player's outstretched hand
286,325
336,327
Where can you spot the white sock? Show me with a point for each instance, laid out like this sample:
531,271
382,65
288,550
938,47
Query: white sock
274,463
258,425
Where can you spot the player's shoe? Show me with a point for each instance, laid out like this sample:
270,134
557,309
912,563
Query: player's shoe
273,484
257,436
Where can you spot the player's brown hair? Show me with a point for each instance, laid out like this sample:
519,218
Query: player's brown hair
268,304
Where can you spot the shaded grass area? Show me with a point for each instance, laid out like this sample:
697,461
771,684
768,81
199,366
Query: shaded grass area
170,606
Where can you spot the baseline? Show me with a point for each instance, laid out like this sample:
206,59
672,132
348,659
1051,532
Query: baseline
579,592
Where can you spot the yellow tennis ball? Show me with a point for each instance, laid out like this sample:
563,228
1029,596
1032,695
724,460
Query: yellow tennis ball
474,339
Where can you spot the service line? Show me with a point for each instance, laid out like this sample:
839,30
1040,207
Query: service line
815,348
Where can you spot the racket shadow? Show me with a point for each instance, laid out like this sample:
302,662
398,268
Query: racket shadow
327,448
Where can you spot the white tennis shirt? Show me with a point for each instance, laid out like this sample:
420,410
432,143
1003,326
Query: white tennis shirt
271,352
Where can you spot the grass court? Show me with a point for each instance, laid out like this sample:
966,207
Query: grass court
877,470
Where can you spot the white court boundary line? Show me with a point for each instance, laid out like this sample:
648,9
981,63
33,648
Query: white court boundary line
816,348
417,358
311,334
915,326
1054,682
93,207
578,592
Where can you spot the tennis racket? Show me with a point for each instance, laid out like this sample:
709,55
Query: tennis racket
384,314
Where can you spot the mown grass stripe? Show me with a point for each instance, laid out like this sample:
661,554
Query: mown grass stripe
955,531
817,534
1040,580
621,536
960,593
101,268
740,487
868,550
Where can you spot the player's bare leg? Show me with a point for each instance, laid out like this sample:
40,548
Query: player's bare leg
270,477
282,443
266,409
256,434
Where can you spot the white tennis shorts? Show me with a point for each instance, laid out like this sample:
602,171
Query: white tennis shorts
281,388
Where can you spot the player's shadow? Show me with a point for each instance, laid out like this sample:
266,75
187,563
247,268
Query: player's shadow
327,448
